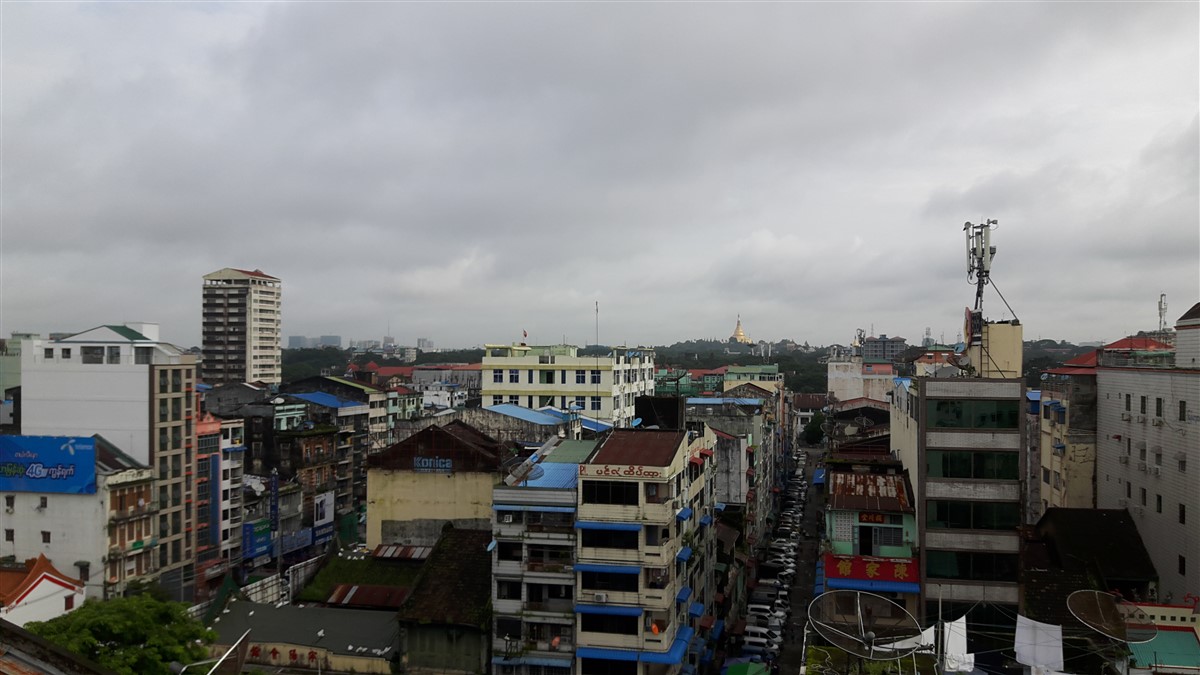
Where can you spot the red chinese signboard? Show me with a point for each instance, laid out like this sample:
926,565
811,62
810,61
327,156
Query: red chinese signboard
871,569
874,518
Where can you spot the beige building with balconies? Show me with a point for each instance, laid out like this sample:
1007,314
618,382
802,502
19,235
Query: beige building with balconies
242,318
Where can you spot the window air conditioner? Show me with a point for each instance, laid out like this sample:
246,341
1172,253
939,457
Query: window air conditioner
506,518
1141,418
1125,417
1157,421
1123,459
601,597
1156,470
1141,466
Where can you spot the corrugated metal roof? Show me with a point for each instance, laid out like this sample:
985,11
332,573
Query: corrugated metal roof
585,422
526,414
644,447
365,596
867,491
724,401
559,476
571,452
397,552
327,400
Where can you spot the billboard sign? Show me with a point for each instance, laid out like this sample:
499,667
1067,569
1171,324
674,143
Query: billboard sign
323,509
256,538
55,464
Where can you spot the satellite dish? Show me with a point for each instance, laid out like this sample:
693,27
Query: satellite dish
1111,616
875,628
960,361
863,422
636,421
278,400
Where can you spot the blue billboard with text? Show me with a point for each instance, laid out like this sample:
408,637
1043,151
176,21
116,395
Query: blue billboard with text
57,464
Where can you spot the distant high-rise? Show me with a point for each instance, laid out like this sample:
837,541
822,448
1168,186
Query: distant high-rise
241,327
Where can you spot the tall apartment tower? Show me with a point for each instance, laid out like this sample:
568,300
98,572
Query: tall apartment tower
241,327
122,382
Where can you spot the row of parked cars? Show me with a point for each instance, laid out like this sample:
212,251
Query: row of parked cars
769,608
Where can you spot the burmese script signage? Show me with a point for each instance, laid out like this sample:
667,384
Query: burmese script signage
620,471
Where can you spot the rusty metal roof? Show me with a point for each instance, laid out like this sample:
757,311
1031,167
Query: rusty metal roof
645,447
368,597
868,491
397,552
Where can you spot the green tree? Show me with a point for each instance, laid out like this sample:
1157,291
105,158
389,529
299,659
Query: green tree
138,635
813,433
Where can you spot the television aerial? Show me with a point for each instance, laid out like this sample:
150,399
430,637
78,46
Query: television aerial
520,470
864,625
1111,616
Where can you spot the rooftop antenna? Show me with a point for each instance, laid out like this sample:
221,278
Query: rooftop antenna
979,256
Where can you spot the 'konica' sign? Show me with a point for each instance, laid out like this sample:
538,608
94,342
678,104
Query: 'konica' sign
433,465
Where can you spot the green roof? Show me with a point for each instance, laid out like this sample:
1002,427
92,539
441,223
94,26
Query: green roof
1169,648
357,385
127,332
572,452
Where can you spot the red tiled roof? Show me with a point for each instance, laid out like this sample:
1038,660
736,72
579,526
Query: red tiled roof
722,434
1086,360
808,401
1138,344
1072,371
404,390
395,371
17,581
646,447
255,273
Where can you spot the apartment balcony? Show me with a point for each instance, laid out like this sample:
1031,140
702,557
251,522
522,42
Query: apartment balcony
131,512
610,555
131,548
556,606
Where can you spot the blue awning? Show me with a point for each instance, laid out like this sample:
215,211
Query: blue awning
532,661
696,609
609,569
819,477
1060,446
684,553
673,655
868,585
719,506
684,594
684,513
706,521
597,525
529,507
610,610
717,628
606,654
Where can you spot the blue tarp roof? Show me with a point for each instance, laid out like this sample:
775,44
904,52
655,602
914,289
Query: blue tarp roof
327,400
555,476
586,423
617,527
609,569
527,415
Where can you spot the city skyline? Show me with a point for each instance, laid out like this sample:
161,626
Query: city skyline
470,172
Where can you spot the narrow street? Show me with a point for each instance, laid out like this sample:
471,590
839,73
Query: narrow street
791,657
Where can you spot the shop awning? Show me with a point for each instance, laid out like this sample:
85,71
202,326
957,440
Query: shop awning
675,654
528,507
718,628
684,594
607,569
606,654
696,609
684,553
706,521
698,461
835,584
684,513
610,610
706,452
597,525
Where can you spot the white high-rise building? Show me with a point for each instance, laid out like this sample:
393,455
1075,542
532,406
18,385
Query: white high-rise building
241,327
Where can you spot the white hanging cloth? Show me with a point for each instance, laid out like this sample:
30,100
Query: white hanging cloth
955,638
1039,644
925,639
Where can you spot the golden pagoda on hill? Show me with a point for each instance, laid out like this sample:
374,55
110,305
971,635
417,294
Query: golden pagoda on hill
739,335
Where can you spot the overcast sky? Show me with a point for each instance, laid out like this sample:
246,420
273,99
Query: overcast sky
467,171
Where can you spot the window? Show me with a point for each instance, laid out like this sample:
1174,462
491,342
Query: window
48,353
508,590
10,500
1183,514
971,414
1158,459
514,376
1142,495
497,376
45,537
1183,411
514,400
497,400
1142,409
9,535
606,581
1182,465
973,566
142,355
92,355
1127,403
1158,407
610,492
43,502
1129,490
1045,475
69,603
529,379
581,402
1158,503
972,515
114,355
66,353
1057,480
581,377
604,623
595,377
609,539
888,536
1183,565
968,464
595,403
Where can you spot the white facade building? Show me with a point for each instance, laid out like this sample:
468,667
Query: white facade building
1148,451
36,590
603,387
242,318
